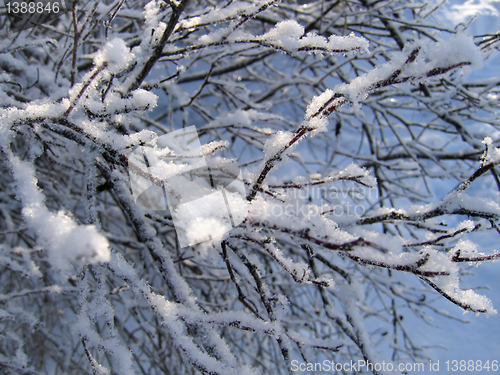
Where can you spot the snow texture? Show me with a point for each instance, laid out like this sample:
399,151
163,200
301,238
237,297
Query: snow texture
141,233
67,243
431,56
288,35
115,55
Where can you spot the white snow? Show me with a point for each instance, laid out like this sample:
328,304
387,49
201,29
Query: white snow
276,143
492,154
318,102
115,54
66,242
285,34
458,49
289,36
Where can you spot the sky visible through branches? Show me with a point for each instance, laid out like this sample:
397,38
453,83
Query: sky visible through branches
481,337
236,187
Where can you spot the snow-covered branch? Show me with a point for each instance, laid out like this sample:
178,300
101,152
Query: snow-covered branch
236,187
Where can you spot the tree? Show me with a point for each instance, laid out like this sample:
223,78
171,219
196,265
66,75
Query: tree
343,117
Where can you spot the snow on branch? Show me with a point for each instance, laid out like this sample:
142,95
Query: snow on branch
353,173
174,316
415,64
289,36
286,36
466,299
241,10
455,202
66,242
302,275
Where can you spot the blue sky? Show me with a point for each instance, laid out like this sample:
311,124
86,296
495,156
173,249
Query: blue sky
479,339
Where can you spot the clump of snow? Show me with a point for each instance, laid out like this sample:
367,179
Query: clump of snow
285,35
144,136
354,170
318,124
439,262
208,219
459,48
347,43
492,154
139,100
4,77
115,54
467,249
289,36
318,102
65,241
315,176
461,200
468,225
469,297
214,36
277,142
475,301
151,12
36,109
